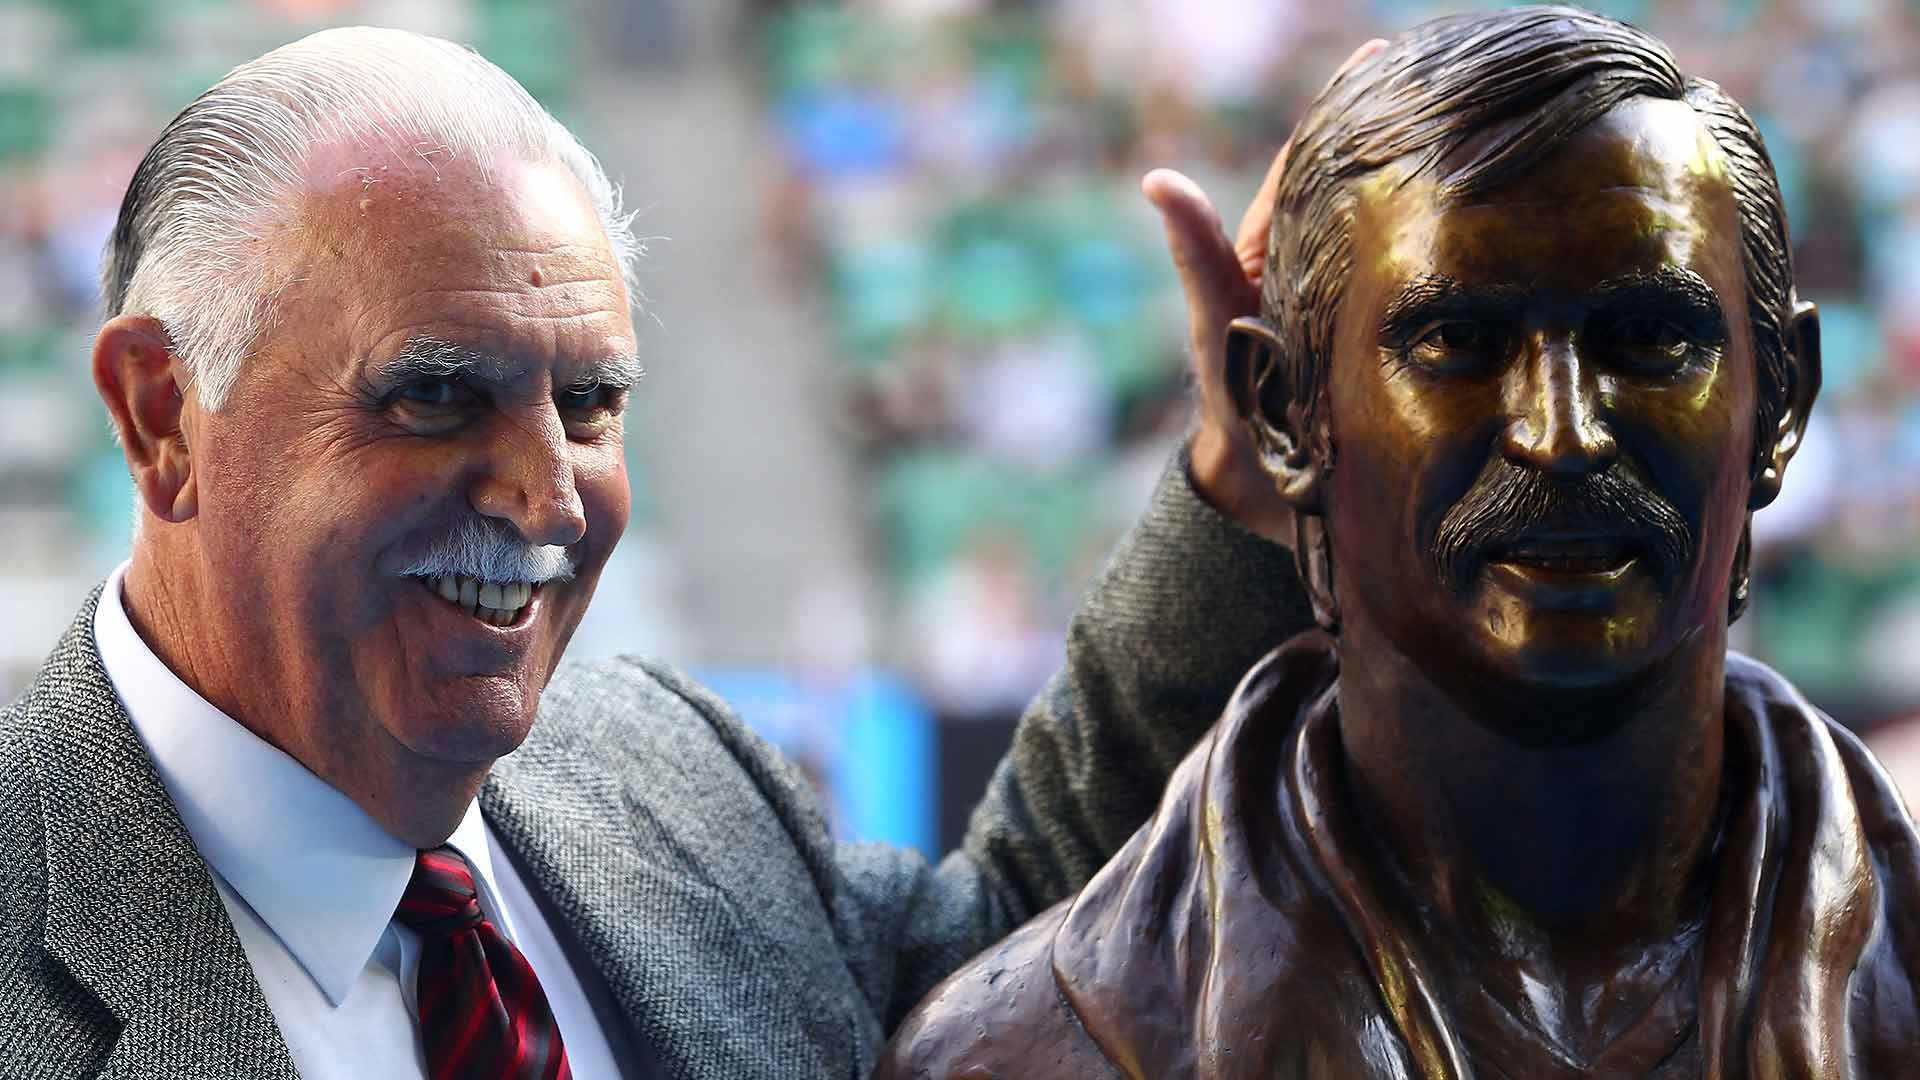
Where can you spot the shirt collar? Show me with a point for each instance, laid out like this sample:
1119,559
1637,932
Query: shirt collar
314,866
475,843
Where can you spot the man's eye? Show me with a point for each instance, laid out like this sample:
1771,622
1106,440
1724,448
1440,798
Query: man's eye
586,398
432,392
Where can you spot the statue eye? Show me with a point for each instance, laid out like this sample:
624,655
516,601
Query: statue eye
1647,344
1457,345
1461,335
1648,332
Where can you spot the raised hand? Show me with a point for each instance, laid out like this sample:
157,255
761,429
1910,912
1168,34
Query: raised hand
1221,280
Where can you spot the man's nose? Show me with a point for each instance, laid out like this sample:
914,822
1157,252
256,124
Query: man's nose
528,479
1553,400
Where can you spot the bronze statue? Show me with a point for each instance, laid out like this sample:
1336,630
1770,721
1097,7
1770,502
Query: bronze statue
1530,359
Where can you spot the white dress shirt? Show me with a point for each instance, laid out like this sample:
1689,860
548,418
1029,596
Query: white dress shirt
311,882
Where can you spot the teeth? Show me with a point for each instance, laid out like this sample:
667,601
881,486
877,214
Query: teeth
493,602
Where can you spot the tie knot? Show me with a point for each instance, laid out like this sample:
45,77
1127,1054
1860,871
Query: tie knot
440,899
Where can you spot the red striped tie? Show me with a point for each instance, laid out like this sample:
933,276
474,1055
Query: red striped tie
482,1013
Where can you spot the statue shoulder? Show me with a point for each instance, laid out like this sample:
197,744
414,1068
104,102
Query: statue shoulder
1001,1016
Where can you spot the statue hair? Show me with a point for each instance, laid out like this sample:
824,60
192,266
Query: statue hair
1469,101
198,242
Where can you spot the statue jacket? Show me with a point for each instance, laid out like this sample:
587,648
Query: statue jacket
1805,963
685,865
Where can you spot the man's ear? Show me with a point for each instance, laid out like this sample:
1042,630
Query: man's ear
1261,391
1802,334
142,383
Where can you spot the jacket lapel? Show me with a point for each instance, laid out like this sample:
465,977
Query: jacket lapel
650,931
131,909
695,978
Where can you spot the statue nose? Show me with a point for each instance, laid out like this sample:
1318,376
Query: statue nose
1556,424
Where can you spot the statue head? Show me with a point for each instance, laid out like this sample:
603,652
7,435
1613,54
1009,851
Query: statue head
1530,353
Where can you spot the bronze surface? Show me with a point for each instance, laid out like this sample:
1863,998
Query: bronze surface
1529,358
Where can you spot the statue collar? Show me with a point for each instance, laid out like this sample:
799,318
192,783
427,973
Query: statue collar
1253,833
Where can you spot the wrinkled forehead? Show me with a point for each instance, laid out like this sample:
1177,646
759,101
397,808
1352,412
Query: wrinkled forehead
510,259
427,198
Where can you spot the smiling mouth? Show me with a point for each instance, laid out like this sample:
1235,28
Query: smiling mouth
496,603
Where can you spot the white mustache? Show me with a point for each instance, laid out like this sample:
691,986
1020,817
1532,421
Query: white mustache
478,548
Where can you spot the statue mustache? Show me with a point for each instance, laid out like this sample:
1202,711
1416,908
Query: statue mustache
1508,502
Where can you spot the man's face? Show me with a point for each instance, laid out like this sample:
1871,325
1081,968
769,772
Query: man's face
1542,405
433,368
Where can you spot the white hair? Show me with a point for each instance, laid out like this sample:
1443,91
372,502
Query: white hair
195,245
486,549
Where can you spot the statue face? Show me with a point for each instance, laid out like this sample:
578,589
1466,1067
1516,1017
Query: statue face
1542,403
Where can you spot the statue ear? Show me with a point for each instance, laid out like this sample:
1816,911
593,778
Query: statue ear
1802,334
1261,392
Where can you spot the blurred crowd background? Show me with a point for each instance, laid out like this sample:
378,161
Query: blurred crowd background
914,346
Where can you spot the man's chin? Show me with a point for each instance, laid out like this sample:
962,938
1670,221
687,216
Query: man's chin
473,719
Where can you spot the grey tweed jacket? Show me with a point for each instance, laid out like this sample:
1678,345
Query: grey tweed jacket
681,859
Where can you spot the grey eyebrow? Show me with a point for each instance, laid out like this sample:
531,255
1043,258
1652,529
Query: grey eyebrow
619,372
431,358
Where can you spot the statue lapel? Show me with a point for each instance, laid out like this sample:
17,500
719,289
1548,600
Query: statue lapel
1798,861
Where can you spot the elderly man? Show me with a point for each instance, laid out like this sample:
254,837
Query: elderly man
1531,357
367,349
